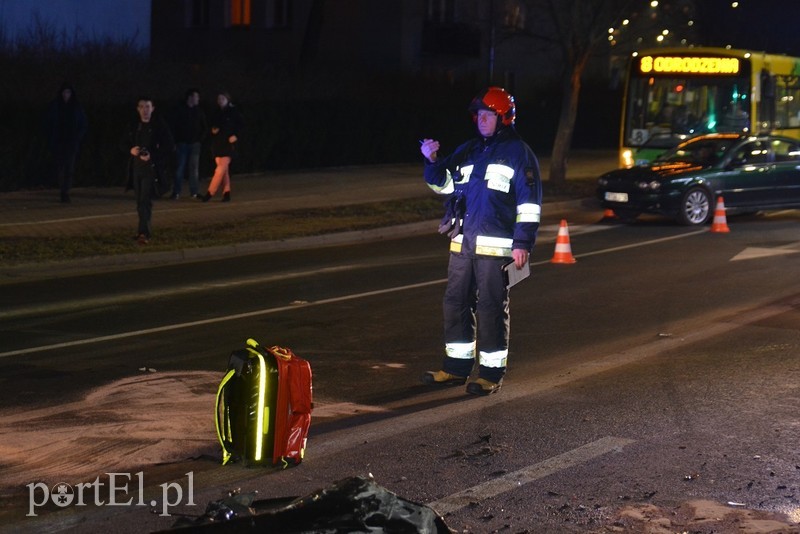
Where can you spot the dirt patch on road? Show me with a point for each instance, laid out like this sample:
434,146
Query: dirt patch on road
700,517
143,420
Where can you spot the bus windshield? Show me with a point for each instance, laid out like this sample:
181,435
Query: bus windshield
662,111
675,94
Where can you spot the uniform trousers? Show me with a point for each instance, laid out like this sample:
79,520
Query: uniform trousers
476,312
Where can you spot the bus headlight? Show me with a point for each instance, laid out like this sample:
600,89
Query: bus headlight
626,158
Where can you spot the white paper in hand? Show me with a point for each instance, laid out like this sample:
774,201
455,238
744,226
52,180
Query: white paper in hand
513,276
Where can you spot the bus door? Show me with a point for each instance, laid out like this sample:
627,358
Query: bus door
749,176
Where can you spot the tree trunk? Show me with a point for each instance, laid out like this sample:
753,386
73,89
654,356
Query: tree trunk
566,124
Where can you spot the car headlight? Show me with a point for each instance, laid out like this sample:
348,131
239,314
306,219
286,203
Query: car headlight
653,185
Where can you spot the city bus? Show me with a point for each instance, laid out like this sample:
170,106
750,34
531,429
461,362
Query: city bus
672,94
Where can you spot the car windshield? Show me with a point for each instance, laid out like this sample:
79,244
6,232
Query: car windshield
701,151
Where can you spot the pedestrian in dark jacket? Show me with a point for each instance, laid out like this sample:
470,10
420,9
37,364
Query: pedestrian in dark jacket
226,126
66,126
149,143
190,127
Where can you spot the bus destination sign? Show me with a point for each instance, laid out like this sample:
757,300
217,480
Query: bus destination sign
688,65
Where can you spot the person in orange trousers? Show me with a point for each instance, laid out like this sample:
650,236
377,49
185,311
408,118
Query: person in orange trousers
226,127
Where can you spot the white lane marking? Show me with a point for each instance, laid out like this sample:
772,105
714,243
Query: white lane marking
344,440
751,253
639,244
67,219
268,311
511,481
191,324
402,424
130,297
140,296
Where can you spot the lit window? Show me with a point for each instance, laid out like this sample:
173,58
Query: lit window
240,12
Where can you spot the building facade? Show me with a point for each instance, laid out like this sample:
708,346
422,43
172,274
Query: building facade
454,39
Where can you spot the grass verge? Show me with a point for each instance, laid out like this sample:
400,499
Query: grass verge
266,227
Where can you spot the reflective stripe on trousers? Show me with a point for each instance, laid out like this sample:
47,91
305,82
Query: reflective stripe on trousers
461,351
493,359
466,351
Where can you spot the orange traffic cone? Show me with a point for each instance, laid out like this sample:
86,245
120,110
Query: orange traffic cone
563,252
720,223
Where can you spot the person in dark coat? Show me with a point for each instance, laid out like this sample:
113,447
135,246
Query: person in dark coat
226,126
66,126
149,143
190,128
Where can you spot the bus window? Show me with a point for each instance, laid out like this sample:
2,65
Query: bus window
787,102
700,106
785,151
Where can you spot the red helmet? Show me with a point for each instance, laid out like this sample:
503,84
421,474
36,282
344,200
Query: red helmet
498,100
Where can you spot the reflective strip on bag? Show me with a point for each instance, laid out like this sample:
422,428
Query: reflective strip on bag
260,413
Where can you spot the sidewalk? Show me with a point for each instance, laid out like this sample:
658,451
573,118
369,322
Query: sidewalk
110,209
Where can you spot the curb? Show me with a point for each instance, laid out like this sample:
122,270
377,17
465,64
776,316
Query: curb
30,271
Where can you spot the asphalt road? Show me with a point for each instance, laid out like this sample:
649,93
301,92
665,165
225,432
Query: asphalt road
652,384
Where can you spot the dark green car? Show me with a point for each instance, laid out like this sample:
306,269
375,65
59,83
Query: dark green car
751,173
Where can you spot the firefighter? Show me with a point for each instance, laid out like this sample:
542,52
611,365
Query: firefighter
494,202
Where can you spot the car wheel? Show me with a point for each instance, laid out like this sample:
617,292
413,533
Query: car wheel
695,207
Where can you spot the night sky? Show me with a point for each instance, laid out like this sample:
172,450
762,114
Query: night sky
766,25
78,19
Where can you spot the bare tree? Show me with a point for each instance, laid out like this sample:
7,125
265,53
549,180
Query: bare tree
577,28
581,29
